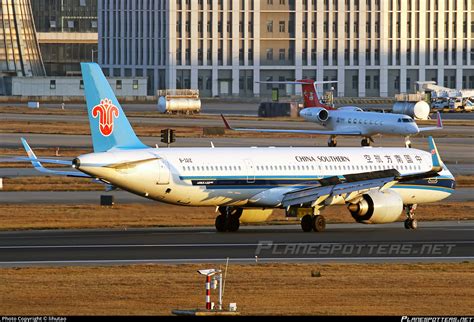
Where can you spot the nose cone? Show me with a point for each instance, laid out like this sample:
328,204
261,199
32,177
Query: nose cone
413,129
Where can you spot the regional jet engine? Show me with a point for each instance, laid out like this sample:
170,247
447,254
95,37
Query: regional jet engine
315,114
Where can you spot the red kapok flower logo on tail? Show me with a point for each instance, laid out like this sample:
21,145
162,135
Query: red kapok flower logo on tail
107,112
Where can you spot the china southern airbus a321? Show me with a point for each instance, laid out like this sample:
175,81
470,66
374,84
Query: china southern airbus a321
376,184
346,120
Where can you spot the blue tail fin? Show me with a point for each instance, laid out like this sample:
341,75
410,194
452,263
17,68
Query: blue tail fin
109,125
436,159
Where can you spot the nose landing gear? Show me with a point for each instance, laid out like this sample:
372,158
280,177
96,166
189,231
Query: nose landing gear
411,222
366,142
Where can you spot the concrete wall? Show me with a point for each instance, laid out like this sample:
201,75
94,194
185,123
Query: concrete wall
71,86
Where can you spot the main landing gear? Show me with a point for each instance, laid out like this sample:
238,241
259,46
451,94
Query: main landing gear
313,222
365,142
410,222
229,219
332,141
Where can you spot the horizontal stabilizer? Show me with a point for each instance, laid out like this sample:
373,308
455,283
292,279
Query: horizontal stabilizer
439,124
38,166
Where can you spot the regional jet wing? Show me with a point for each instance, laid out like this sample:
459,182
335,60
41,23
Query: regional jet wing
323,132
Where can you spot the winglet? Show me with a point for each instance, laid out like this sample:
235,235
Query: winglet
227,126
436,159
36,164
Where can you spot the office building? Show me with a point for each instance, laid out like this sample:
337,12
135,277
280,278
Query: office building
19,51
67,34
225,47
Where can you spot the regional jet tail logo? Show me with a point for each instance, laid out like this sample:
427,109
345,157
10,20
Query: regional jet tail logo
107,112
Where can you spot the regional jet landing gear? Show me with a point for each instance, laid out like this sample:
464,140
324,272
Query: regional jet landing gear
366,142
229,219
332,141
313,222
407,142
410,222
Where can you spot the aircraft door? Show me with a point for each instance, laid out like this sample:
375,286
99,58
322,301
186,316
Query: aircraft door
250,170
163,172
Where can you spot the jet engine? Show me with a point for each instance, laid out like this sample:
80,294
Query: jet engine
315,114
377,207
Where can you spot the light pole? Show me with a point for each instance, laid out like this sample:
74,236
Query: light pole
92,53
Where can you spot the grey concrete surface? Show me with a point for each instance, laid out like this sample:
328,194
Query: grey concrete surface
433,241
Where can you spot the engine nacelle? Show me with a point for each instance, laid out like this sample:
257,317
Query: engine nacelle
315,114
377,207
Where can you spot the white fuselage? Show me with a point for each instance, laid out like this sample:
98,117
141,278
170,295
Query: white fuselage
255,177
367,123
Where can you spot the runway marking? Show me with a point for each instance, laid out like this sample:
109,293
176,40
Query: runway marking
276,259
232,245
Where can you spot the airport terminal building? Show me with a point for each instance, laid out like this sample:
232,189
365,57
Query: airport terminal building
225,47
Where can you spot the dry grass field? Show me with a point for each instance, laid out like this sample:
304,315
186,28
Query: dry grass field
53,216
155,114
258,289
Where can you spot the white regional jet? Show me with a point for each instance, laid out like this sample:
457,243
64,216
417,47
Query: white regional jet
375,183
347,120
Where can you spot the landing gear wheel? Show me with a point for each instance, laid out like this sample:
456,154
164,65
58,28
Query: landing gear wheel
229,219
411,224
332,143
233,224
365,142
318,223
407,142
307,223
220,223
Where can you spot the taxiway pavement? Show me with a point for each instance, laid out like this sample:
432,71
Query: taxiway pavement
433,241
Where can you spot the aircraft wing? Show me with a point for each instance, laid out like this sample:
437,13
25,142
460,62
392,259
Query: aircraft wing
38,166
351,186
322,132
337,186
439,124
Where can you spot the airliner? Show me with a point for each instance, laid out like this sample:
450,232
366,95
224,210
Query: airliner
376,184
346,120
